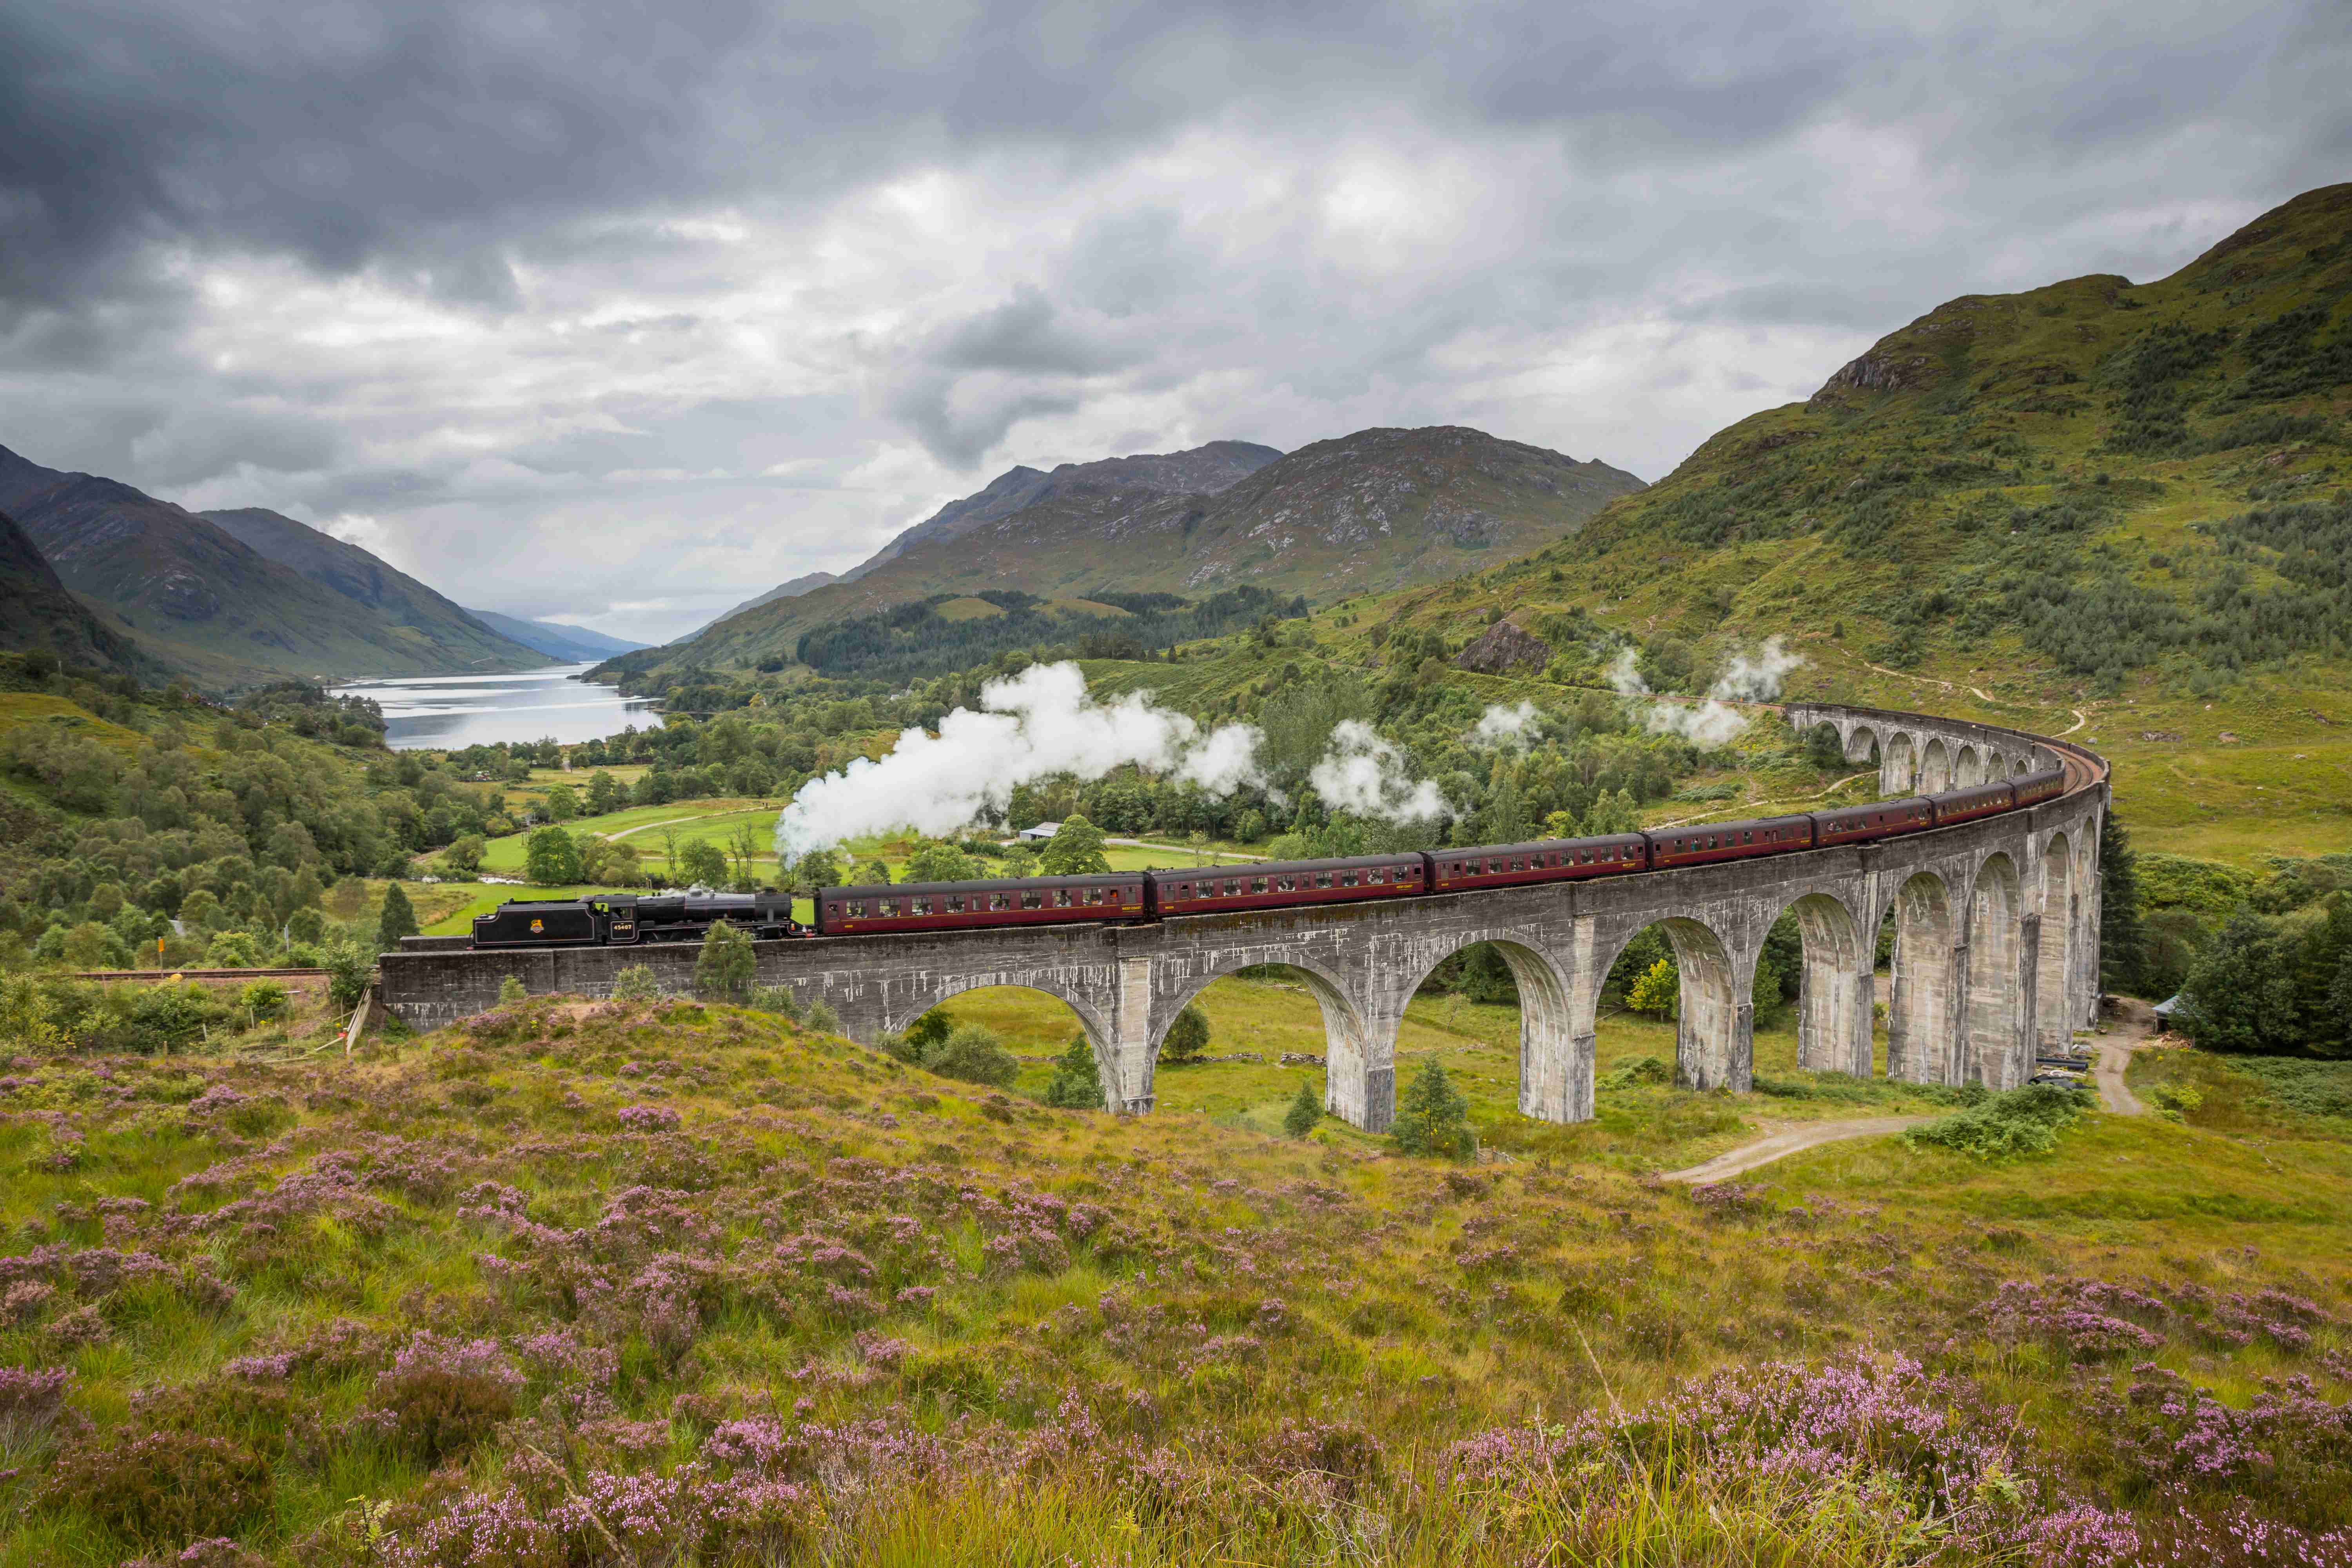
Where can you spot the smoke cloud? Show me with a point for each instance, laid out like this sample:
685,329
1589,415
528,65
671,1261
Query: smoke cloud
1500,726
1365,775
1711,723
1030,726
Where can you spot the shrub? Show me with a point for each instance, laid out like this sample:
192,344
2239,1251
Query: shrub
440,1396
1077,1084
350,972
635,983
233,950
1188,1037
512,992
727,963
1658,991
1433,1117
823,1018
779,999
1306,1110
263,1000
162,1488
975,1055
2021,1121
928,1033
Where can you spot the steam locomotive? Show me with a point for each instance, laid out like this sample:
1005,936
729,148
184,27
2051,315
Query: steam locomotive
1130,897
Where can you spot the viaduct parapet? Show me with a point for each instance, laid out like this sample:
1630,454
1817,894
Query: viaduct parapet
1995,949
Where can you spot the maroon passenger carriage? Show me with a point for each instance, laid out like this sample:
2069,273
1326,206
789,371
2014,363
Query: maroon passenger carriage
952,906
1544,860
1273,884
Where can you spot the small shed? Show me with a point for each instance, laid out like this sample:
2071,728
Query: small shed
2164,1011
1040,833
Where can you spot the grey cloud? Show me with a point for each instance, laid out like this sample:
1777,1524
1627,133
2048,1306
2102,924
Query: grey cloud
654,305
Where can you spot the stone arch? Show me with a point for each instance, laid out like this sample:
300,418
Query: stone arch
2058,905
900,1016
1970,768
1899,763
1995,1033
1935,766
1555,1061
1919,1011
1833,998
1861,741
2019,766
1360,1065
1715,1026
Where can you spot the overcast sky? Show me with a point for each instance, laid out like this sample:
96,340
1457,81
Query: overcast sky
620,313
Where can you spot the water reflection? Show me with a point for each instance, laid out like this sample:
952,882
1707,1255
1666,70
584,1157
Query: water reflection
450,712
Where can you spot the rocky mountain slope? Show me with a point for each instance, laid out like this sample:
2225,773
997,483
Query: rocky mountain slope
38,611
210,605
1376,510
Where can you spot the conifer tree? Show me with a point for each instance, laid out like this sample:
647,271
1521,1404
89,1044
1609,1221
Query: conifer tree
399,917
1433,1117
1304,1111
2122,941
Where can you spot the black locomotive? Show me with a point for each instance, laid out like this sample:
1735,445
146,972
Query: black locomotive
628,919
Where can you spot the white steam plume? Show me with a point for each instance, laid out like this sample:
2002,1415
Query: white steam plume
1362,773
1500,726
1713,722
1031,726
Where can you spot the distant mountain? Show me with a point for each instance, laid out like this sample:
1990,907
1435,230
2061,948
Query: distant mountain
36,611
566,645
366,580
1380,508
1203,469
210,605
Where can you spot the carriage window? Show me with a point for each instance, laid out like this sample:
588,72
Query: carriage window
1094,895
1061,897
856,911
1286,884
1033,900
999,900
1346,879
921,907
1322,879
955,903
1518,863
1375,876
1233,889
889,906
1749,838
1257,884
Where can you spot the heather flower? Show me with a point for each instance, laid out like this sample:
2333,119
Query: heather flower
649,1119
442,1395
30,1401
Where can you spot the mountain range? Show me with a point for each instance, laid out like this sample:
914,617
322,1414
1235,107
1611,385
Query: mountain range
1377,509
566,645
106,576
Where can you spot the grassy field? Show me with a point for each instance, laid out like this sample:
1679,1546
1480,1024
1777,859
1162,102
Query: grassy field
672,1283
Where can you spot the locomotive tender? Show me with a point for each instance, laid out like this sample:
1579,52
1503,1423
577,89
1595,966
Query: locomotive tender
1129,897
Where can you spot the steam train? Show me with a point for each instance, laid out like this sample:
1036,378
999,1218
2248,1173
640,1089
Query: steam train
1132,897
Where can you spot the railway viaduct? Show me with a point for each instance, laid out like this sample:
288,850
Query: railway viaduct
1996,949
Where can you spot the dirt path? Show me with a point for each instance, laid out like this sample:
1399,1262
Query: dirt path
1764,1150
2132,1031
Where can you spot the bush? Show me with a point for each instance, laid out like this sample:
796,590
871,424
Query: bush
973,1054
350,972
512,992
440,1396
1078,1083
233,950
2022,1120
1304,1111
1188,1037
1658,991
1434,1119
823,1018
779,999
263,1000
927,1034
162,1488
727,963
635,983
